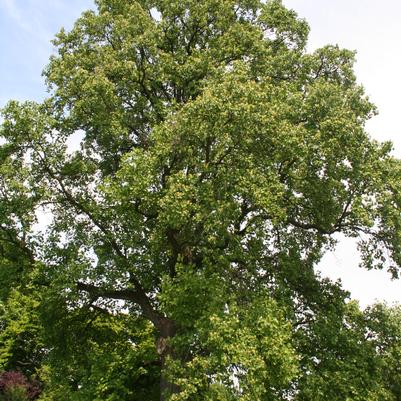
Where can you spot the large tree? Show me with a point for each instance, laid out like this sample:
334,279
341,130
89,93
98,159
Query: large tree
217,162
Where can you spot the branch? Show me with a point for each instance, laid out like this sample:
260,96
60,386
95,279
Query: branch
135,295
336,227
13,239
311,226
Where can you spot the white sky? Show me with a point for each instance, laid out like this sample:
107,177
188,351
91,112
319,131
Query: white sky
371,27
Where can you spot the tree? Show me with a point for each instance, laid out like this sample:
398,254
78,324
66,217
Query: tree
218,160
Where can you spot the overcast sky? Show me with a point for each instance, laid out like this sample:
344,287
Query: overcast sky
370,27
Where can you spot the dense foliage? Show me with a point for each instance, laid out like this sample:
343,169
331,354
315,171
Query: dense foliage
193,162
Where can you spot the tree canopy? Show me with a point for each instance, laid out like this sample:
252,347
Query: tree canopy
194,163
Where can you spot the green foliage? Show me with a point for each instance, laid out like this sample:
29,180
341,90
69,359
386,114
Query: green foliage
218,160
16,393
21,346
98,356
247,349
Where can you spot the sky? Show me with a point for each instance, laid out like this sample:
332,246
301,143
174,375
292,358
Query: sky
370,27
26,29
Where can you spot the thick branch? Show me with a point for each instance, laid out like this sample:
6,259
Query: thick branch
138,296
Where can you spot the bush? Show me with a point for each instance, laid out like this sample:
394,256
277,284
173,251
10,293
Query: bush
14,386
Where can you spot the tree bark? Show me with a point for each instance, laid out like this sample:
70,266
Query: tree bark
167,331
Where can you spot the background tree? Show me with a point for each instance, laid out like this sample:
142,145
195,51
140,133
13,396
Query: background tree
217,161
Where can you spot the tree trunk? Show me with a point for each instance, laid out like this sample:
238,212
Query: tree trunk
166,387
167,330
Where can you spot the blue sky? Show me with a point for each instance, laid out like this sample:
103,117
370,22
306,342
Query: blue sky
371,27
26,29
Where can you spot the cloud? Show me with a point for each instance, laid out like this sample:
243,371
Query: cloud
13,12
32,17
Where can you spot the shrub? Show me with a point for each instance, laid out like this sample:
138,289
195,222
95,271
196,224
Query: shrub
14,386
